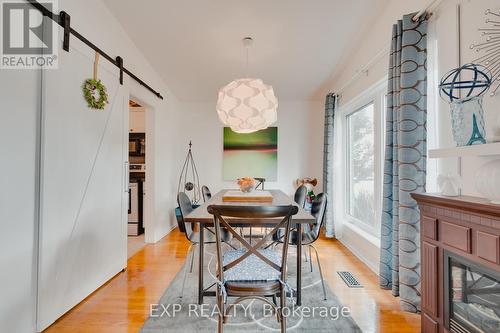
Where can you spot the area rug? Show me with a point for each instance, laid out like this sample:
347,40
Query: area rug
181,313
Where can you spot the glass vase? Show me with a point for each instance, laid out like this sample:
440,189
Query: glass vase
467,121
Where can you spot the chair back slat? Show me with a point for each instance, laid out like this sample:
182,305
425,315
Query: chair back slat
186,207
300,195
260,183
207,195
221,213
318,210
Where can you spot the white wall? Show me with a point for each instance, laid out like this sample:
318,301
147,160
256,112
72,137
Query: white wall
300,148
444,57
19,93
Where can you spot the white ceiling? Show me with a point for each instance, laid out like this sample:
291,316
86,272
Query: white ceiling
196,45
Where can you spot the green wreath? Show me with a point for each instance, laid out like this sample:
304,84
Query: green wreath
91,87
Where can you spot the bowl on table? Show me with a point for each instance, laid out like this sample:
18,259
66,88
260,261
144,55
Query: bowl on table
246,184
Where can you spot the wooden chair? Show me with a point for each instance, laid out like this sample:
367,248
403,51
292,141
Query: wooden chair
193,236
207,195
253,272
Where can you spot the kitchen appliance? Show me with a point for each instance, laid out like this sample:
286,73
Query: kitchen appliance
135,207
137,144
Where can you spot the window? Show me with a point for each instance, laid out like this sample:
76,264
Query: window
363,155
361,165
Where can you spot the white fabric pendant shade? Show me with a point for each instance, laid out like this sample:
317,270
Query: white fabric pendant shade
247,105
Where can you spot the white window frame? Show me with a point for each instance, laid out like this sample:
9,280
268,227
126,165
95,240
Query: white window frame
376,94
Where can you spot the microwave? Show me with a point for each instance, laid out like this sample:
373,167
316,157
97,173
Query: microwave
137,144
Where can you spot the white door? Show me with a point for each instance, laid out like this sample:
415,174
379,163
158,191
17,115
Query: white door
84,183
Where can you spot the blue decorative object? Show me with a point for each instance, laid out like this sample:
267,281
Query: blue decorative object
467,121
454,83
463,88
476,133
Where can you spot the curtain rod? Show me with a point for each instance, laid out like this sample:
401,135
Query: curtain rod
364,70
428,9
63,19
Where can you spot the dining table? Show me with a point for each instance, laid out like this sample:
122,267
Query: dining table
204,219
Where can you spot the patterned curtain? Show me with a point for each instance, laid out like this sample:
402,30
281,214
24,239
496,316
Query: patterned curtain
405,162
328,162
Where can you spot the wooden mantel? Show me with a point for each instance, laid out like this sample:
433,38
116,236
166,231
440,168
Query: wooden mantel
466,226
471,204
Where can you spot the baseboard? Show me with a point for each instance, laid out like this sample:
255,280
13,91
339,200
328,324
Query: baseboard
372,262
172,228
363,259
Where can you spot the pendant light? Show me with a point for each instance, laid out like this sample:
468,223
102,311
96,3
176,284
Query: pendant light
247,105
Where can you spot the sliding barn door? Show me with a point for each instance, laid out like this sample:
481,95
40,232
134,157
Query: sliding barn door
82,241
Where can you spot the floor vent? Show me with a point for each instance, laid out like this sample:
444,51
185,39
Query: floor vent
350,280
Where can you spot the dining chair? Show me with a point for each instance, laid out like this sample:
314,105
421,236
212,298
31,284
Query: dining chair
193,236
300,195
252,272
300,199
207,195
311,233
260,183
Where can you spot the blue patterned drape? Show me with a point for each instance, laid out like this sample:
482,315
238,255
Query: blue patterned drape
328,163
405,162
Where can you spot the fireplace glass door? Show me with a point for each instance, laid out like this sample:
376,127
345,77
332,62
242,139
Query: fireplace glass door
472,295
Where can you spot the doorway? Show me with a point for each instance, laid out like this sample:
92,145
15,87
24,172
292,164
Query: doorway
136,222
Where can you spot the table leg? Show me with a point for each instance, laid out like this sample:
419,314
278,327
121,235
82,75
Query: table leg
299,264
200,270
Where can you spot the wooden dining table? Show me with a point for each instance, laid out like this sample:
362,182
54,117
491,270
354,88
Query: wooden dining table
201,216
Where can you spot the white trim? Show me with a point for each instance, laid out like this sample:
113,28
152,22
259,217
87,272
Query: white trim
373,95
366,235
364,246
137,94
488,149
172,228
365,95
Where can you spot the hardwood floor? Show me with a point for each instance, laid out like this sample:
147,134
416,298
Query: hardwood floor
122,305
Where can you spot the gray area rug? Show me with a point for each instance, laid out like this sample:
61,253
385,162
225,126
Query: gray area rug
181,313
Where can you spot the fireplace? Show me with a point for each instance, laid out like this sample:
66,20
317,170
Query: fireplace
460,264
471,296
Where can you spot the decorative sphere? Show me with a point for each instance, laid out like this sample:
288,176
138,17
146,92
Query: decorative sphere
467,81
247,105
189,186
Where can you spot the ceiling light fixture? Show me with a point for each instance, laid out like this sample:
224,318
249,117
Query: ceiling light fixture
247,105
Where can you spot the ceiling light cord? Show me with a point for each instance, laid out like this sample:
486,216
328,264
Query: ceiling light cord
247,43
246,65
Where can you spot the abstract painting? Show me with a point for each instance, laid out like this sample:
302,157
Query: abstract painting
251,155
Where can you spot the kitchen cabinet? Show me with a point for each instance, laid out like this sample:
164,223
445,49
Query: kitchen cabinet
137,120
